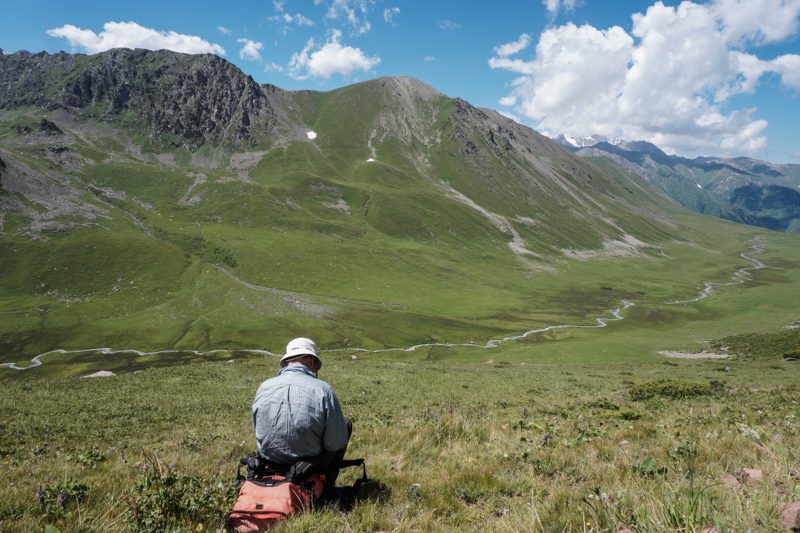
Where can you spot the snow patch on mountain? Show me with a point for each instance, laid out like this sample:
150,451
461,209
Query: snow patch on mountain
583,142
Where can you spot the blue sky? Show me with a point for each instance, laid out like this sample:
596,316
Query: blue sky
720,77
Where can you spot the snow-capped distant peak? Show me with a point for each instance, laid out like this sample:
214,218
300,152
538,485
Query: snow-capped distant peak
582,142
571,140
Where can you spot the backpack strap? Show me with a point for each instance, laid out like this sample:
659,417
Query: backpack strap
301,470
347,463
258,467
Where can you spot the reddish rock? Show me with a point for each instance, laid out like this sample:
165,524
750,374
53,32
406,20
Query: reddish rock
760,447
624,444
730,481
625,530
790,516
751,474
710,530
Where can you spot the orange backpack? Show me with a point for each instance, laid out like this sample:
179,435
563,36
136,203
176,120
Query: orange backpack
269,496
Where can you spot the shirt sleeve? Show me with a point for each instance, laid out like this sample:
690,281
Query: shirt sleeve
335,436
257,428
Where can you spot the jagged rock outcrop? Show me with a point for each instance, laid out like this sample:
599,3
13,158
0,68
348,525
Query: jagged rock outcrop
197,98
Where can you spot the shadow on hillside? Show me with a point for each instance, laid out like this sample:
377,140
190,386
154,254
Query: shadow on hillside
374,491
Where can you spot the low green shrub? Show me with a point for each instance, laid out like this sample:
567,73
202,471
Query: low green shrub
669,388
90,457
55,499
165,498
629,414
762,345
602,403
647,467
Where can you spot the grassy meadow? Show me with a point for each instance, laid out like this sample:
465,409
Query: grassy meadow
573,429
569,430
504,443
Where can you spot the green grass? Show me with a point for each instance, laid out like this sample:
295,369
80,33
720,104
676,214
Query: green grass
524,436
576,430
406,264
541,444
92,290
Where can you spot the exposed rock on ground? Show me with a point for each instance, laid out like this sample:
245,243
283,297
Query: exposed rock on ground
100,374
790,516
699,355
730,481
750,475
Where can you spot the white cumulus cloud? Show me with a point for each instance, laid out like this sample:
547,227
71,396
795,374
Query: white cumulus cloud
669,80
512,116
223,30
448,24
354,12
132,35
298,19
514,47
756,21
331,58
250,49
508,100
554,6
788,67
389,14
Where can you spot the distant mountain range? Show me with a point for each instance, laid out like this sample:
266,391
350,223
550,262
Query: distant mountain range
741,189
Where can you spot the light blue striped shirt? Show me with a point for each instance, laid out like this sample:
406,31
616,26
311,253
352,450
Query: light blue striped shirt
296,415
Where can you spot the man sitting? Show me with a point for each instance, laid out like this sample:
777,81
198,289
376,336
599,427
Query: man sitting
296,416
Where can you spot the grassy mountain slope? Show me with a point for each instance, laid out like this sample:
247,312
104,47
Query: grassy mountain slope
388,215
408,209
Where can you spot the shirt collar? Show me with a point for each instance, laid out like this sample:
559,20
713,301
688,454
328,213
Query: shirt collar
297,368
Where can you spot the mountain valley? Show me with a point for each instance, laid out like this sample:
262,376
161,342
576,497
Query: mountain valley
150,193
525,338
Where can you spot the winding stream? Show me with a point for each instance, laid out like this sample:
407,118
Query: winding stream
739,277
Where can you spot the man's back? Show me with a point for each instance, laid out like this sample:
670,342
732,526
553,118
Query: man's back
297,416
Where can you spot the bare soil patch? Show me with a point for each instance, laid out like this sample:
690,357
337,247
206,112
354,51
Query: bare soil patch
699,355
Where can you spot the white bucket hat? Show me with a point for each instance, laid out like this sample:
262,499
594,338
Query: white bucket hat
298,348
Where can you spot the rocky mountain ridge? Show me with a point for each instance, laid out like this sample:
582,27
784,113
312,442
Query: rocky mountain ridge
215,116
196,98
